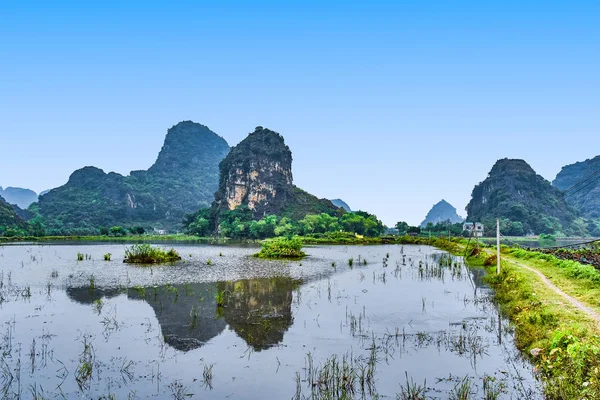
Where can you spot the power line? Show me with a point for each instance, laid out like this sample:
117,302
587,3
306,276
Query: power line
582,181
583,187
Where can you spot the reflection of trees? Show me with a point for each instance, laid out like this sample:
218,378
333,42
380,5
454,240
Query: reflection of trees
258,310
186,313
85,295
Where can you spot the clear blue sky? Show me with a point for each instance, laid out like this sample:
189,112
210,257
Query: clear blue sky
390,106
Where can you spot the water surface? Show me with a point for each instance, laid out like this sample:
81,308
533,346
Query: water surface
241,327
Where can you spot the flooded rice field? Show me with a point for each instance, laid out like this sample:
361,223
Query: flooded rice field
345,322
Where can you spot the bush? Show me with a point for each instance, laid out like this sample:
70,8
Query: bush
146,254
282,248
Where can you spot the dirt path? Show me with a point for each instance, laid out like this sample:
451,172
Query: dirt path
573,301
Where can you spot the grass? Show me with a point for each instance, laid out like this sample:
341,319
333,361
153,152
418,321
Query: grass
146,254
107,257
282,248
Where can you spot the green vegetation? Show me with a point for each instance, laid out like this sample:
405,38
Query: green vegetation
107,257
146,254
239,224
282,248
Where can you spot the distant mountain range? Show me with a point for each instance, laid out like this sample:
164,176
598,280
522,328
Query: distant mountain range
184,178
194,169
19,196
442,212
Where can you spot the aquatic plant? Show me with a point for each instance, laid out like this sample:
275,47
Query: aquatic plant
209,262
80,256
282,248
351,261
146,254
412,390
220,299
207,375
462,390
107,257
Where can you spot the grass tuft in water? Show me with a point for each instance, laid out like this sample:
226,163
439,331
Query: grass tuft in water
412,391
146,254
282,248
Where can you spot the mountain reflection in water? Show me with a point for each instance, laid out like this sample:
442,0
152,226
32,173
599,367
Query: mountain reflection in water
258,310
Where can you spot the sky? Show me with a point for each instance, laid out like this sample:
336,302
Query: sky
388,105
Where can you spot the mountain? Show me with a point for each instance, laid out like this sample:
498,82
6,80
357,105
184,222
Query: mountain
341,204
257,173
11,224
19,196
183,179
525,201
441,212
584,179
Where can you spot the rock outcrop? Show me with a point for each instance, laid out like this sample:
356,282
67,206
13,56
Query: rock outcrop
184,178
258,173
514,192
583,180
442,212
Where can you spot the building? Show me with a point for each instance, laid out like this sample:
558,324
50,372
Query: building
474,228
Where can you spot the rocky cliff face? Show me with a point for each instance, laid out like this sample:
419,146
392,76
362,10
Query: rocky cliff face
258,173
513,191
442,212
183,179
584,179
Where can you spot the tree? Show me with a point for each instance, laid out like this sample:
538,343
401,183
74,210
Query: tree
117,231
402,227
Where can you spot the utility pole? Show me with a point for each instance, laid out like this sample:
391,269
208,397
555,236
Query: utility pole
498,246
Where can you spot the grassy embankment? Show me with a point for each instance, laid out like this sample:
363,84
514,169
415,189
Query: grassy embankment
564,340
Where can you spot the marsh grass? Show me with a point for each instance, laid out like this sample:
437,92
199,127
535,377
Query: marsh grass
146,254
282,248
